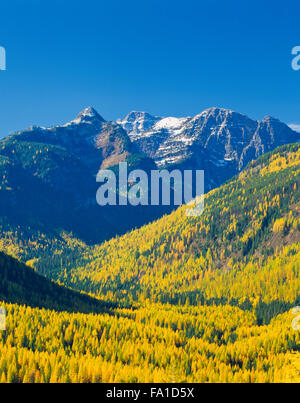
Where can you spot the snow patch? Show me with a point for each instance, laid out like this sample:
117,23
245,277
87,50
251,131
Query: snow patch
170,123
295,127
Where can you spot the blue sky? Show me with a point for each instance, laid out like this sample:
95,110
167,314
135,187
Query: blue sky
167,57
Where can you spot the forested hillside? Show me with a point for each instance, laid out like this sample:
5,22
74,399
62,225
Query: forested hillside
20,284
244,246
48,181
157,343
207,299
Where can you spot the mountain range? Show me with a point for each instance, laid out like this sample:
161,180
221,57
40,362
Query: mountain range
48,178
198,299
248,232
47,175
220,141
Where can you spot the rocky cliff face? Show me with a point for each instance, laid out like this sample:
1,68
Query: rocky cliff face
220,141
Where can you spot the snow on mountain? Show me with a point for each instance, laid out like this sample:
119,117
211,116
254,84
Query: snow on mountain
89,137
220,140
295,127
224,134
87,116
171,123
136,123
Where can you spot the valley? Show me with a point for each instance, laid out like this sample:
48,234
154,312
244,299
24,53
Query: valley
180,299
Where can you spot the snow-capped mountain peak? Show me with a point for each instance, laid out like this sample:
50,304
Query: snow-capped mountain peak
295,127
213,139
90,113
88,116
137,122
170,123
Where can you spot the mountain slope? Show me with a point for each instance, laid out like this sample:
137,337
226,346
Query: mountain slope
48,209
251,223
220,141
47,175
48,179
20,284
152,344
225,282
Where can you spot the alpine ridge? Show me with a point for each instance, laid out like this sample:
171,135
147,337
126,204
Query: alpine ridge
48,178
48,175
220,141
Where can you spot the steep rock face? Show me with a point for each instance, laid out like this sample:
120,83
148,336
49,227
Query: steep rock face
138,122
218,140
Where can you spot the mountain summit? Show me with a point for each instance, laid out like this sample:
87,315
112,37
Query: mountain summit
138,122
49,174
88,115
49,177
220,141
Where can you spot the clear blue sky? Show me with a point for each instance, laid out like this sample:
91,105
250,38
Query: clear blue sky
167,57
